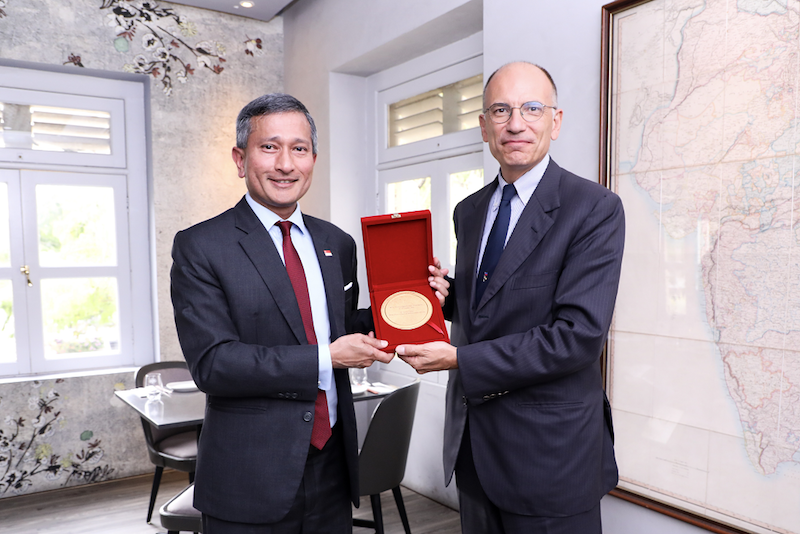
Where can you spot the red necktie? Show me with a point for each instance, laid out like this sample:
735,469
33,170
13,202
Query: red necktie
321,430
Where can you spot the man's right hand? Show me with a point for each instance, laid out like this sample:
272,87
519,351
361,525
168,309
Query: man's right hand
358,350
438,281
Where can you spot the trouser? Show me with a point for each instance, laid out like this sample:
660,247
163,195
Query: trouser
479,515
322,504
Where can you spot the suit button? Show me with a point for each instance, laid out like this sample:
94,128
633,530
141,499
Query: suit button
294,395
464,399
307,417
280,395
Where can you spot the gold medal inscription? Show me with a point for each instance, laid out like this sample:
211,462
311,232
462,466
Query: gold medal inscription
406,310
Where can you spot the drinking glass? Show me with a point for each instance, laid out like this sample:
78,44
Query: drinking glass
154,409
358,380
154,387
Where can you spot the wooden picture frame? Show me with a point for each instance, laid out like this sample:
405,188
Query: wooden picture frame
616,123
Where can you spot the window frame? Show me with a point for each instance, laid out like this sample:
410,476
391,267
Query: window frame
114,106
439,171
435,145
121,92
450,64
29,180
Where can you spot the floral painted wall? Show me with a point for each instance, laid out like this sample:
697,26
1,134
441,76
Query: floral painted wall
65,432
203,66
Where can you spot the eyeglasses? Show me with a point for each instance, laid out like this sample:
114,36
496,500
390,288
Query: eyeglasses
530,111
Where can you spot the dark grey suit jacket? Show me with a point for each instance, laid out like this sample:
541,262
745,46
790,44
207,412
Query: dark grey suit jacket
242,335
529,354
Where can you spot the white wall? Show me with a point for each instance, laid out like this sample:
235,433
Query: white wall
329,52
566,42
622,517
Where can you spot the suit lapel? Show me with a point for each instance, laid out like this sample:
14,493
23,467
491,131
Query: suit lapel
331,274
260,248
533,224
469,243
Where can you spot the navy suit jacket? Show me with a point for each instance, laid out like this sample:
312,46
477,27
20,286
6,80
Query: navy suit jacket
529,376
242,335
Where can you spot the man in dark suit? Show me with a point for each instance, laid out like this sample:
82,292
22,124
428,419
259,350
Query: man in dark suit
264,297
528,428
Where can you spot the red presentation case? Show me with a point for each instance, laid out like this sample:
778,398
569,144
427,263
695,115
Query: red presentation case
398,248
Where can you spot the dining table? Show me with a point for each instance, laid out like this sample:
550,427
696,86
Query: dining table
174,408
188,406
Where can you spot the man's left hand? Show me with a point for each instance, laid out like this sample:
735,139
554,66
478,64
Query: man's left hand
436,356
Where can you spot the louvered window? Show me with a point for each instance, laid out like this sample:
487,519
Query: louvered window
55,129
75,287
448,109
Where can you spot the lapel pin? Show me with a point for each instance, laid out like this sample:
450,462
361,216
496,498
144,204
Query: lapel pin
328,252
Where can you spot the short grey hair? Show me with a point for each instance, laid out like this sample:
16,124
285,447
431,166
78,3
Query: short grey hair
267,105
550,78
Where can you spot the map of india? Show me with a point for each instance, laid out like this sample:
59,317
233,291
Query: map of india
705,359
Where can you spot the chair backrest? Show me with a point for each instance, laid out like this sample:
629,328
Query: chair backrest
171,371
382,461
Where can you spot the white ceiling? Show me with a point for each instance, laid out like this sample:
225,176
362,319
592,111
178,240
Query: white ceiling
261,10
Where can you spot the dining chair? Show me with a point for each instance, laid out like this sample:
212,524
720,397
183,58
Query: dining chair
382,460
179,513
172,447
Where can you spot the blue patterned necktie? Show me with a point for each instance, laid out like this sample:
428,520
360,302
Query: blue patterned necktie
495,243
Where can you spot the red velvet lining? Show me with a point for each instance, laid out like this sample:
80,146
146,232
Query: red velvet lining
398,249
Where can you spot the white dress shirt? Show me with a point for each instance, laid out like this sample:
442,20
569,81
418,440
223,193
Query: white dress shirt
525,186
301,239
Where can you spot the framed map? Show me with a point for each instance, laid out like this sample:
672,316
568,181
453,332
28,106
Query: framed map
700,139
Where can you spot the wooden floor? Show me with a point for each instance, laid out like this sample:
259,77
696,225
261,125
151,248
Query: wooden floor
424,515
120,507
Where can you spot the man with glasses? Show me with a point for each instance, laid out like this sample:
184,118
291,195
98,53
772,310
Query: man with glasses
528,427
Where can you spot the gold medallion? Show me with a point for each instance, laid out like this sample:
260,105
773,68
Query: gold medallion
406,310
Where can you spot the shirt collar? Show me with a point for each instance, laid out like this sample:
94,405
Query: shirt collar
526,184
268,217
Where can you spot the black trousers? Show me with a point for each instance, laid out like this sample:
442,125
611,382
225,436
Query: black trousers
322,504
479,515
